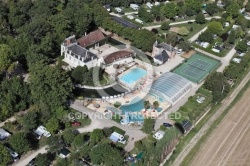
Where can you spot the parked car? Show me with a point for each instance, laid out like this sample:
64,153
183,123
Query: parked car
75,124
200,99
14,155
32,162
167,125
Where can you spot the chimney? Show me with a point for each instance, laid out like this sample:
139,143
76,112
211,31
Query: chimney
86,55
85,34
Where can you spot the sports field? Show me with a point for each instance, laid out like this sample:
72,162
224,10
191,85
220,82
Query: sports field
197,68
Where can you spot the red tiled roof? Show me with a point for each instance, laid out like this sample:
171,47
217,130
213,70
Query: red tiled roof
91,38
117,55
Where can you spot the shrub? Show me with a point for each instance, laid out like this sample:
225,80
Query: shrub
117,104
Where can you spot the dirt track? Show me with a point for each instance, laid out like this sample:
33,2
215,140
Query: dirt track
229,143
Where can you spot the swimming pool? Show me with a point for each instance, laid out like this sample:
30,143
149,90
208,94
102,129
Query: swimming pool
133,75
136,105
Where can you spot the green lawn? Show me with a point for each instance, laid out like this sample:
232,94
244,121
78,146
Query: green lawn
192,110
196,28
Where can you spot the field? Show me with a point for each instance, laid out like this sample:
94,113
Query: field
229,143
197,68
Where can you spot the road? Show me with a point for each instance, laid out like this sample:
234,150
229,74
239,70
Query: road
193,38
97,121
8,120
26,159
229,143
176,23
225,103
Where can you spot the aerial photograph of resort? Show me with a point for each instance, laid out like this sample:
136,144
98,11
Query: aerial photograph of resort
124,82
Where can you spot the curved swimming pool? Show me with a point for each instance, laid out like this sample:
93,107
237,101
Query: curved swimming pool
136,105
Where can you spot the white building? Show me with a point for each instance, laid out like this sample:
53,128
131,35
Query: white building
3,134
149,5
42,131
116,137
75,52
134,6
139,21
159,135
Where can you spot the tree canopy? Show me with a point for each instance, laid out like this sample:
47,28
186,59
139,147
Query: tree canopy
106,155
19,142
215,27
200,18
5,157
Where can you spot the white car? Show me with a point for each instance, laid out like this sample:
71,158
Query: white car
236,60
14,155
200,99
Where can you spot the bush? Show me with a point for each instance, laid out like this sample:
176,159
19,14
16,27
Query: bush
117,104
163,128
151,138
165,26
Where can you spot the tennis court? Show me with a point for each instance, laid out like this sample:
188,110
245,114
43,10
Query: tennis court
197,68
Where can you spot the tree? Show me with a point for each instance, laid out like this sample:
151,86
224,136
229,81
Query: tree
194,5
78,141
215,27
19,142
233,10
206,36
78,73
146,105
96,135
216,82
30,120
184,45
54,143
5,57
5,157
171,38
242,46
52,125
49,86
165,26
156,104
145,15
42,160
247,7
200,18
13,96
212,8
148,125
170,10
183,31
68,136
106,155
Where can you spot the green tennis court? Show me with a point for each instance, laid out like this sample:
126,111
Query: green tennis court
197,68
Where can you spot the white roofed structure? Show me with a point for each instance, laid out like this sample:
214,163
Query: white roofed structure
170,87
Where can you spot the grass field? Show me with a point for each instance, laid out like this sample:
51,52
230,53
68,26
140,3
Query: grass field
197,68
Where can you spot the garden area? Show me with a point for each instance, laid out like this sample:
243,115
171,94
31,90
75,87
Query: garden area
192,109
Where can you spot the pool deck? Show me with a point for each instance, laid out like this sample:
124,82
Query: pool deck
141,93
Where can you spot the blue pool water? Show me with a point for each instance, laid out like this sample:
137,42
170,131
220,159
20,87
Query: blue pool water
136,105
133,76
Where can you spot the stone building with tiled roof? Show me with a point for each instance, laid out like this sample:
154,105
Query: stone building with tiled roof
119,57
162,52
92,39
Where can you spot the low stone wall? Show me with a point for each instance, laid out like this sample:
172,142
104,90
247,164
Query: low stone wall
93,87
